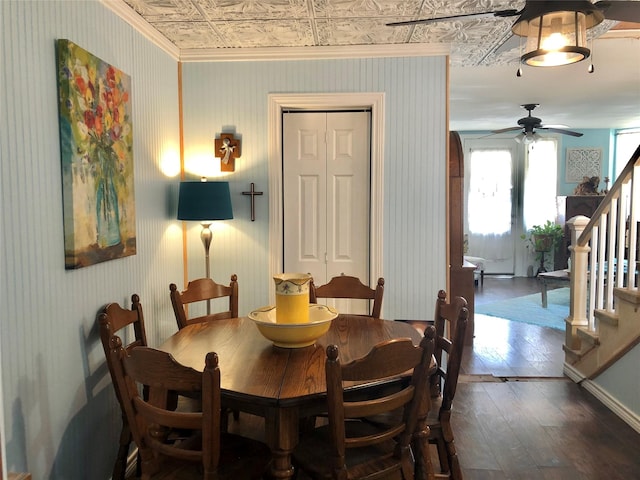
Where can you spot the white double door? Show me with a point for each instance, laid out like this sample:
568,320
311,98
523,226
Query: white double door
326,197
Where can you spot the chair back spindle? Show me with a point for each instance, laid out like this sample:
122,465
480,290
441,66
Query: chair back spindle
203,290
174,443
348,287
350,446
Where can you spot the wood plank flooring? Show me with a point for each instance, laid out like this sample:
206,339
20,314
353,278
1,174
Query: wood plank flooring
515,415
510,349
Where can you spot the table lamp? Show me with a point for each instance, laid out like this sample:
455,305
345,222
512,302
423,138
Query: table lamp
205,202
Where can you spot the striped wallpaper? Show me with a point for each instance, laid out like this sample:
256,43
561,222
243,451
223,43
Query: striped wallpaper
61,419
233,96
61,416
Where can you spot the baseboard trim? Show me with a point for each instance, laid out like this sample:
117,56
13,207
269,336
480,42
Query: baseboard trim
627,416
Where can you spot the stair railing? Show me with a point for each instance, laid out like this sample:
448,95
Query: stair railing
604,252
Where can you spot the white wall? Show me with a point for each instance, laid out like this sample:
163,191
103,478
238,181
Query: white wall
61,416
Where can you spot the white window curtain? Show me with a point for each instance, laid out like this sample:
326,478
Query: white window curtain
489,206
540,183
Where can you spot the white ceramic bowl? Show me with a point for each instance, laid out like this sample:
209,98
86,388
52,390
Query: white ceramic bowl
294,335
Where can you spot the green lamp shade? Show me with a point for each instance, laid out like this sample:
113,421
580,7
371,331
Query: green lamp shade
203,201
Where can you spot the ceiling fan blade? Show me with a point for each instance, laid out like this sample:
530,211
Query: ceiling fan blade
498,13
623,11
503,130
560,130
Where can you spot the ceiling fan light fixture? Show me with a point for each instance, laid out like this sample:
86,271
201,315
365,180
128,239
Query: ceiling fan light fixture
527,138
556,38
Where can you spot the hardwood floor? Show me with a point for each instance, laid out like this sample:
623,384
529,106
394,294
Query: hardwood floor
515,415
510,349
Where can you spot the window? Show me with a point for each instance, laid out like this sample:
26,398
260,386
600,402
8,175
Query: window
489,206
490,184
540,183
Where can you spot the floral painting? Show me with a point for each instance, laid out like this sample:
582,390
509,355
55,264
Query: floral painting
96,143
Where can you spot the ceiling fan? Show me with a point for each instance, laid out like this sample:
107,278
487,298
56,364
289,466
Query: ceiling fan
555,30
627,11
530,124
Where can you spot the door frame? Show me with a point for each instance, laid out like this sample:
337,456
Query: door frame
326,101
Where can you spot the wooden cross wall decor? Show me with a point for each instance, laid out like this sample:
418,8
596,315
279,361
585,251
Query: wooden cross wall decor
227,149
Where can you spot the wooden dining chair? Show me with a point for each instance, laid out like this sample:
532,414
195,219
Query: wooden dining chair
203,290
450,324
349,447
345,286
114,319
173,444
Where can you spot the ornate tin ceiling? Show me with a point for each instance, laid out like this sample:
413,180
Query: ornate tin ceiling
244,24
481,98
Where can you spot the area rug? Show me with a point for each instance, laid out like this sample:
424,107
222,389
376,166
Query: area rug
528,309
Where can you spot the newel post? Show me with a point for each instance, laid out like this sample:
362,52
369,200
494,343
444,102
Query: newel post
578,283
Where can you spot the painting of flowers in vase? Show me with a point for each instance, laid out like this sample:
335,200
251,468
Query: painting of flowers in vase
96,144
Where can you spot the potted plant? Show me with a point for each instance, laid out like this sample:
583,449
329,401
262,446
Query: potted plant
543,239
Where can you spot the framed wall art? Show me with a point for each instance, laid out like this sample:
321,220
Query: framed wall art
96,145
583,162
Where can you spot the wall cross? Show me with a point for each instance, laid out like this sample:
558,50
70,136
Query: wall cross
253,194
227,149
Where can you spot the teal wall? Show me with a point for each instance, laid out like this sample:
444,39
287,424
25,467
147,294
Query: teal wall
592,138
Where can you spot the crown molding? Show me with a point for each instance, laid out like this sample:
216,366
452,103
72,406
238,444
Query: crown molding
124,11
313,53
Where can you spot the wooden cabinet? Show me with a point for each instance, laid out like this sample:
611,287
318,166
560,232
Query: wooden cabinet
463,285
460,272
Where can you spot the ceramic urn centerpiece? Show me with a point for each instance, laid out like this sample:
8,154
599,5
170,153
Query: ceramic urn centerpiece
293,322
292,297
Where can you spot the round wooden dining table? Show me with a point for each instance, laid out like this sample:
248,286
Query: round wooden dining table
283,385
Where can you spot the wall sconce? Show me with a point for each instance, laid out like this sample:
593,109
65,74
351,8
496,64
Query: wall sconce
555,38
205,202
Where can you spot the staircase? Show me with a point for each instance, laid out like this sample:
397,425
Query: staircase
604,316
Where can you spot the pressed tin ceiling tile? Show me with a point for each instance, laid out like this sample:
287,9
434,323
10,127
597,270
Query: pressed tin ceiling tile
233,10
365,8
273,33
365,32
166,10
190,35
